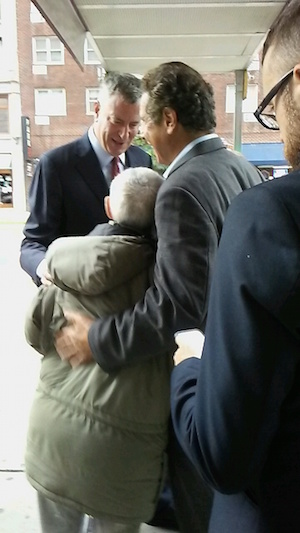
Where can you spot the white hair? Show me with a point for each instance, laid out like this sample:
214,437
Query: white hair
132,197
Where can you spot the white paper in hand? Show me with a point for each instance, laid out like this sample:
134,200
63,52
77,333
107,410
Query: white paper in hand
191,340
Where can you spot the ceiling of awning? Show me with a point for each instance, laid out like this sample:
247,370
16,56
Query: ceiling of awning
133,35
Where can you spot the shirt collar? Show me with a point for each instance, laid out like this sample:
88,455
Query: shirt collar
186,149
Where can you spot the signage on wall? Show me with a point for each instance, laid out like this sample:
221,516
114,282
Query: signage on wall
26,136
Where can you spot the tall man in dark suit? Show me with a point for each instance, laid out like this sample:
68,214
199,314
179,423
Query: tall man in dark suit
178,119
236,411
70,182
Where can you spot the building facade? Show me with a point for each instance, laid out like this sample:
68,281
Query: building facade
57,97
46,100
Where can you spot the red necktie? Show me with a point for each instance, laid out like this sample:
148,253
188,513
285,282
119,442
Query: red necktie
114,167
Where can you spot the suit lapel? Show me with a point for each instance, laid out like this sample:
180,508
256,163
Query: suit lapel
211,145
89,168
130,158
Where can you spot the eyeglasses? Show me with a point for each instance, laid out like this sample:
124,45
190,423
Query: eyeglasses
268,120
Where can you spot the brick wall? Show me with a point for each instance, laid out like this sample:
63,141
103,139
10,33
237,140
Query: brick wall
68,76
74,80
252,132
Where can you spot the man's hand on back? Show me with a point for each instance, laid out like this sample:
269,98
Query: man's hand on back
71,341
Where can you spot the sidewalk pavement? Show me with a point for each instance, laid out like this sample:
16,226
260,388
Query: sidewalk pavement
19,368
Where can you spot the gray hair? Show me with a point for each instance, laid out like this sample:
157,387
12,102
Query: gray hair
127,85
132,197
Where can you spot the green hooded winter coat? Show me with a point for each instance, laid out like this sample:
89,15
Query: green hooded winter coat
96,441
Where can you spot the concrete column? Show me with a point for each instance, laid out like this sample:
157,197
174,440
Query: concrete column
10,76
238,115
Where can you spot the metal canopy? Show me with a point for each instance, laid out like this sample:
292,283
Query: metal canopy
133,35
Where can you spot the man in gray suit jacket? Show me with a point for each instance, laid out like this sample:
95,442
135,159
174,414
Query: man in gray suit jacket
70,182
178,119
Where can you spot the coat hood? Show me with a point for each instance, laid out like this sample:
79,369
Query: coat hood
116,259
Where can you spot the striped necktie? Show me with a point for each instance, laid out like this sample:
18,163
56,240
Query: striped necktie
114,167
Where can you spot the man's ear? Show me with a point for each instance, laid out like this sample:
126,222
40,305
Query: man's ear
296,80
107,207
96,109
169,119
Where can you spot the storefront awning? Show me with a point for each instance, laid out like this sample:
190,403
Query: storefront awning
136,35
265,154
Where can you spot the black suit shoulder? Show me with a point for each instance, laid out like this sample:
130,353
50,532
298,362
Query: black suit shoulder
66,152
136,156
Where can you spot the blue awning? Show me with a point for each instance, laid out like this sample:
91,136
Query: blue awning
265,154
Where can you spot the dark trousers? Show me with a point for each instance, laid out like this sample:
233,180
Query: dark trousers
236,512
192,497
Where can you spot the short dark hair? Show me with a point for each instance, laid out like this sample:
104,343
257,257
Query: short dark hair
128,85
180,87
284,34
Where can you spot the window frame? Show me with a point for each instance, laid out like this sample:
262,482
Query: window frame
230,106
88,100
88,48
50,90
48,50
2,96
35,16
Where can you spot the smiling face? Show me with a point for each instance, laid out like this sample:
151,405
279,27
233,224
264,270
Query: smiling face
117,124
286,105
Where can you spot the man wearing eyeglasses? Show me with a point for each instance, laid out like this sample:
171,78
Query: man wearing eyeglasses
236,410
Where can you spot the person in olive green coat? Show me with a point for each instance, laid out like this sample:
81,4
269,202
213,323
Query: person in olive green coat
96,441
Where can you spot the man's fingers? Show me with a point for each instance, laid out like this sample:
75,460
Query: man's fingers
71,341
70,316
74,362
64,346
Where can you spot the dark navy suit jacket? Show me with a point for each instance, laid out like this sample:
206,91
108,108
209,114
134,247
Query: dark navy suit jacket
236,411
66,197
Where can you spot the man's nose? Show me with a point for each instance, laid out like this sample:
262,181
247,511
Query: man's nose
124,131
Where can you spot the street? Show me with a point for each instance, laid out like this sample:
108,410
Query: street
19,367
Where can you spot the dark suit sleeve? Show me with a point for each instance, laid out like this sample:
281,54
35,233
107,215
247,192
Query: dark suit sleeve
227,407
43,224
187,242
148,161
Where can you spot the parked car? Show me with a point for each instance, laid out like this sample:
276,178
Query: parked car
5,190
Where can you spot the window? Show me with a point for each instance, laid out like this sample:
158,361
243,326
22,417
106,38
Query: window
35,15
91,96
249,104
90,56
47,51
4,125
50,102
